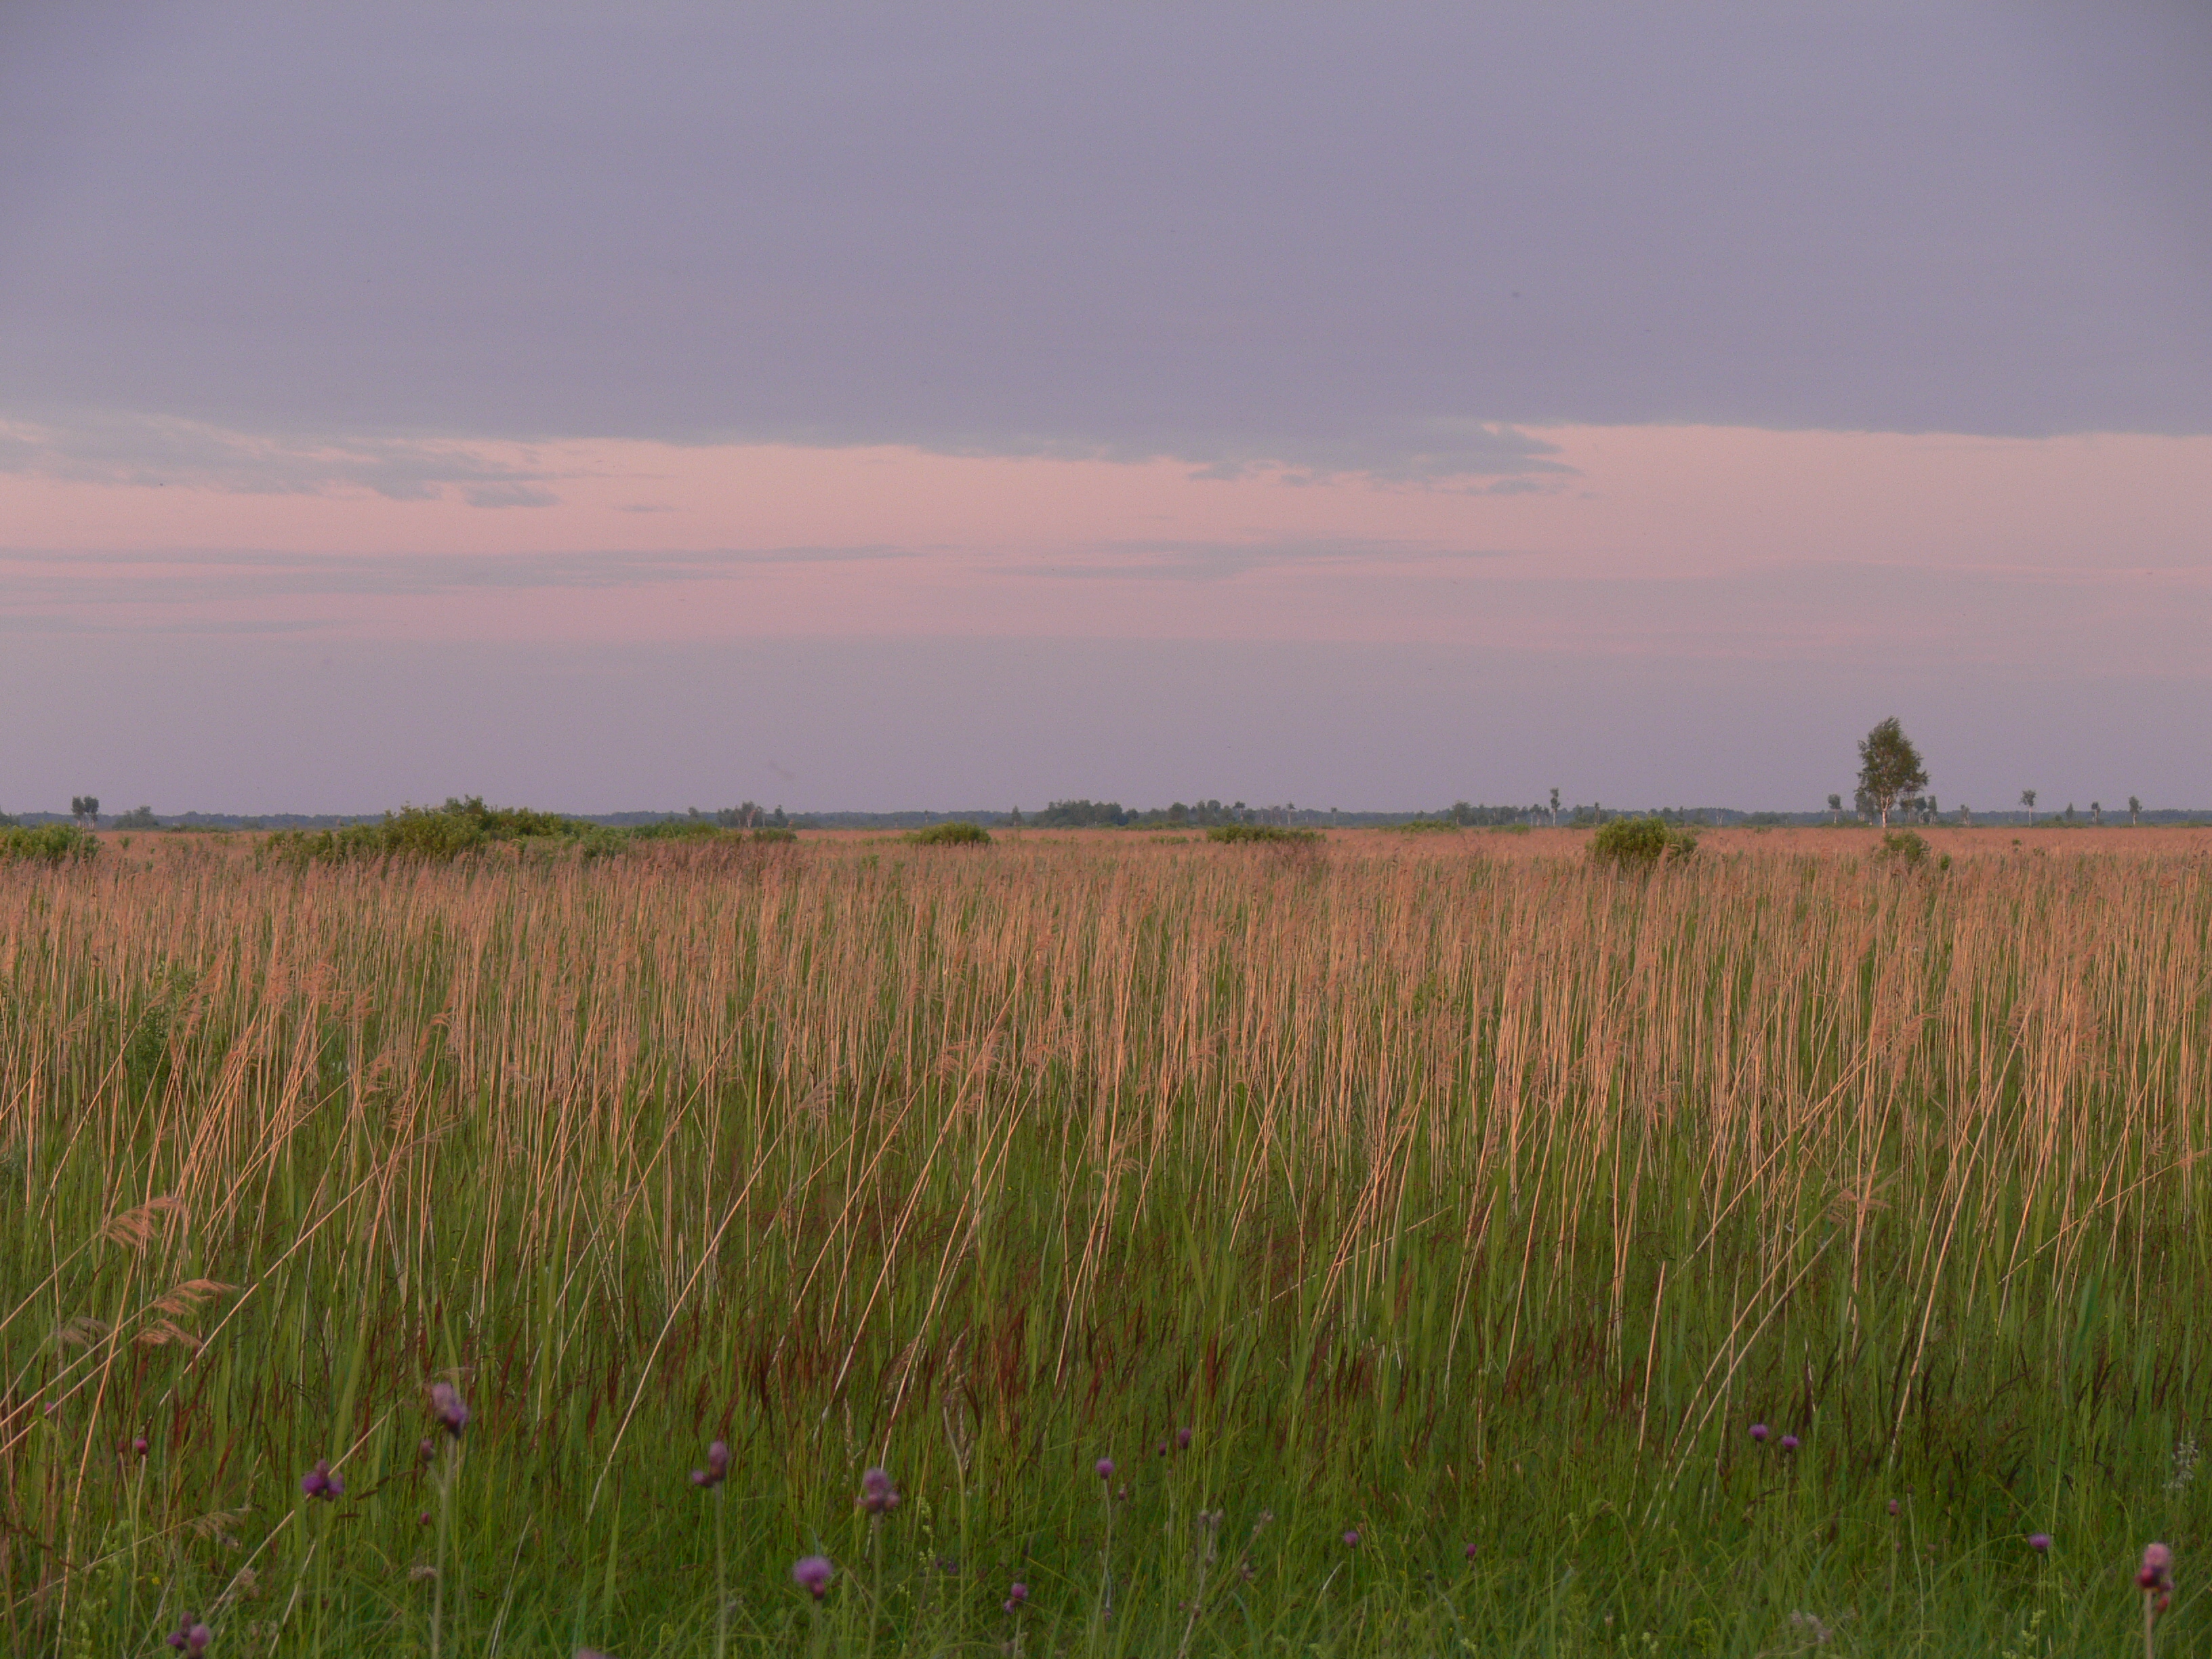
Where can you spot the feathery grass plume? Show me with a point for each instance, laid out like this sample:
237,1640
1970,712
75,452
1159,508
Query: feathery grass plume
138,1227
185,1298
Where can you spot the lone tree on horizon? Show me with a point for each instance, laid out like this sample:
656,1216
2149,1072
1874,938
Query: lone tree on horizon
1889,766
2027,800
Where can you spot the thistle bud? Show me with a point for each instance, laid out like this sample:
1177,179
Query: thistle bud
878,1495
448,1407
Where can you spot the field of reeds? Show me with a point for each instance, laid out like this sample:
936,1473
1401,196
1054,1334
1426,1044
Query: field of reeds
1418,1231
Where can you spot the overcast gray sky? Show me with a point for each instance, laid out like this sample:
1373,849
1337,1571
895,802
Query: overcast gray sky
362,257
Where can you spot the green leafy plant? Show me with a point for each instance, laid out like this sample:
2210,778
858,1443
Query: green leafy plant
49,843
1906,847
959,833
1642,843
1235,832
694,827
425,834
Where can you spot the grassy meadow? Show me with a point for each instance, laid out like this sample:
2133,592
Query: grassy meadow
1466,1203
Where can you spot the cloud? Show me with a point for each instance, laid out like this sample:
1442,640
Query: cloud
1168,560
1358,241
39,580
155,451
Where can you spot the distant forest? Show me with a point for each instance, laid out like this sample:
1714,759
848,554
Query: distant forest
1085,814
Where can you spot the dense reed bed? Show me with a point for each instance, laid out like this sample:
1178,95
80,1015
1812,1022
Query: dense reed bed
1466,1212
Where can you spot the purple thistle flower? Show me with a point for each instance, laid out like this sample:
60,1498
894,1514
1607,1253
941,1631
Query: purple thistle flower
878,1495
2039,1542
138,1446
813,1574
1105,1467
2157,1572
1759,1432
1470,1552
191,1636
1017,1595
448,1407
1182,1439
320,1482
1351,1538
428,1451
1789,1442
718,1465
1893,1506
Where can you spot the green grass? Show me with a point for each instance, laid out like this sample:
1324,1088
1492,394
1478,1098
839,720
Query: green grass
1479,1207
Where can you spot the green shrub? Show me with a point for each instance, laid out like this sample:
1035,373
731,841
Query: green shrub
427,834
958,833
1259,832
1416,826
498,823
1641,843
698,829
773,832
49,843
1905,847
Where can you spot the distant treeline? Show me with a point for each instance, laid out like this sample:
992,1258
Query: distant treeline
1081,813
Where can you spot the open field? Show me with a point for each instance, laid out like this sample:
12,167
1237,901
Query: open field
1451,1193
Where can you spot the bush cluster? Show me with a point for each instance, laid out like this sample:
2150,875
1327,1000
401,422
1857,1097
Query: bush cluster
959,833
428,834
1259,832
1641,843
49,843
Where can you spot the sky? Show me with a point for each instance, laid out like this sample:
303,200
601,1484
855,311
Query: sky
869,408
